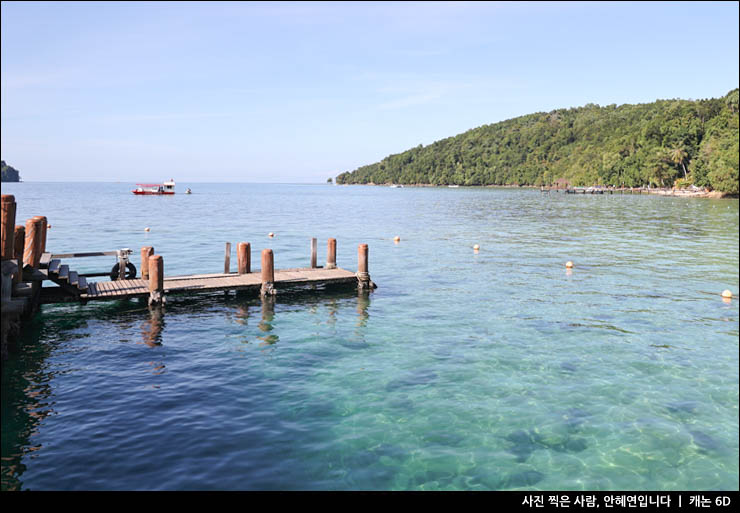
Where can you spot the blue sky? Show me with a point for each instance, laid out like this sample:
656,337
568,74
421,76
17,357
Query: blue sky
299,92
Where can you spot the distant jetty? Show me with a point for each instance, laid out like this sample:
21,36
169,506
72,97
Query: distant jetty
674,192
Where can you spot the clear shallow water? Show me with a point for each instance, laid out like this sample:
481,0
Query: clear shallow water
495,370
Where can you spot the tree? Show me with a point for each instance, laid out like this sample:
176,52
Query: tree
678,157
723,174
660,170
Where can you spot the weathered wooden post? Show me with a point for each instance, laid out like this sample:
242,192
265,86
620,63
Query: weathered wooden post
146,252
331,254
313,253
122,261
6,288
10,269
156,280
268,273
227,258
8,226
362,254
244,257
363,276
19,238
43,224
32,244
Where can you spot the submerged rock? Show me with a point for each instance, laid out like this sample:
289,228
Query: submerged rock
525,478
574,445
402,403
683,407
568,367
574,418
444,438
705,442
421,377
355,345
524,443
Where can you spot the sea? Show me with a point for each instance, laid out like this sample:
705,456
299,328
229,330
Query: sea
496,369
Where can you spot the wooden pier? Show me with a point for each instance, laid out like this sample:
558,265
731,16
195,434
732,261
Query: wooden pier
154,285
26,266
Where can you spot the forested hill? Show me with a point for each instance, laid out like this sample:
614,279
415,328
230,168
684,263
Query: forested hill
665,143
9,173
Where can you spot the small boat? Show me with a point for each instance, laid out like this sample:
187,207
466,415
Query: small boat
396,186
155,188
188,191
453,186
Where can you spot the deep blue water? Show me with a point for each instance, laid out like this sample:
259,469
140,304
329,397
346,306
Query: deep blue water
463,370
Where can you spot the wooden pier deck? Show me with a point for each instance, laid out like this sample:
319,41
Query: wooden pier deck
123,289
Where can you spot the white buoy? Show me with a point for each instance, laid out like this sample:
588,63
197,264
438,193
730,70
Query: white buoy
396,239
569,265
146,229
271,235
476,247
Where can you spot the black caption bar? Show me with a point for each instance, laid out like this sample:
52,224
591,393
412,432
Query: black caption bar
691,501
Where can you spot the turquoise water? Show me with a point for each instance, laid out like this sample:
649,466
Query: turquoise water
462,371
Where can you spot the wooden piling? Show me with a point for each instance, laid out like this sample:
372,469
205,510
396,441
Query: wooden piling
313,253
43,225
156,279
19,237
227,258
122,261
40,224
331,254
362,254
32,243
19,240
8,226
146,252
244,258
363,277
268,273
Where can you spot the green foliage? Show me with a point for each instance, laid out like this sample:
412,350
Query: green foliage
723,166
682,183
9,174
629,145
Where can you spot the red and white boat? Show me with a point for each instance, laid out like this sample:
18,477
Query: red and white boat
155,188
